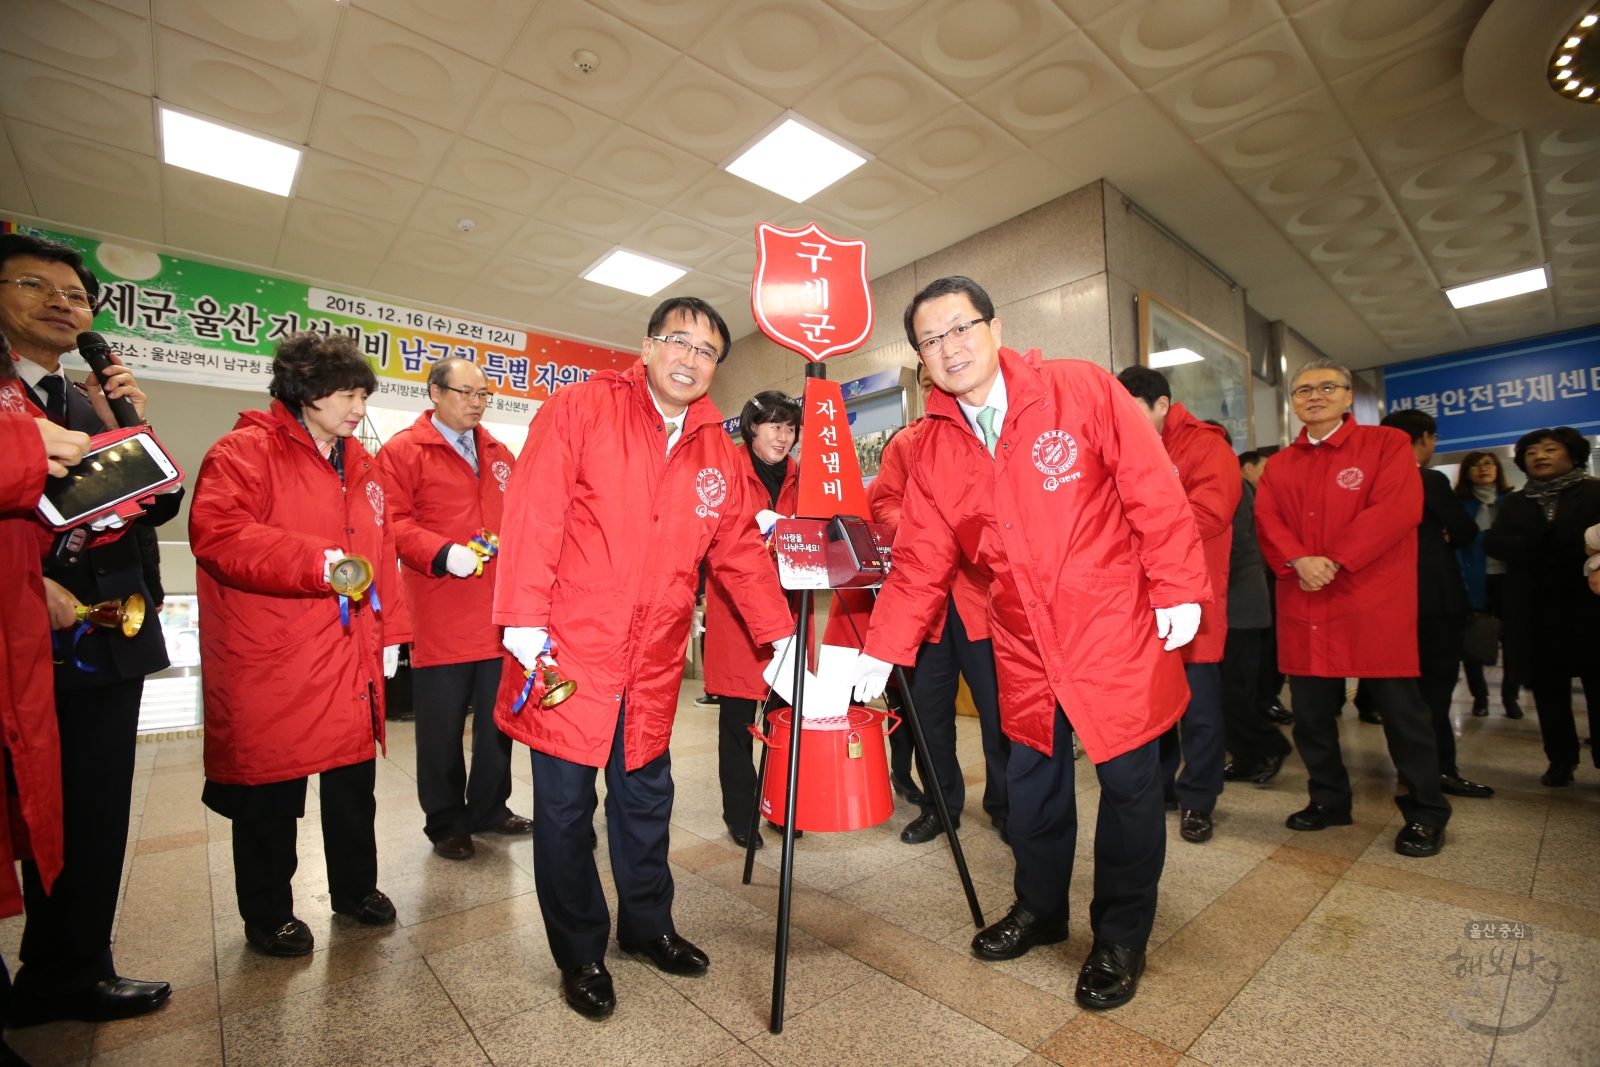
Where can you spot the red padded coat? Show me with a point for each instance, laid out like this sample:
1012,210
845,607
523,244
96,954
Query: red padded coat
1081,520
1209,472
1357,499
289,690
603,538
435,500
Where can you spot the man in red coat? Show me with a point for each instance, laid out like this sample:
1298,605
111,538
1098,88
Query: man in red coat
1048,476
1209,472
769,424
627,483
447,479
1337,515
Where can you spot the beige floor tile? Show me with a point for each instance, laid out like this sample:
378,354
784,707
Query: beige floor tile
157,935
1569,859
194,1046
262,979
1557,916
1491,843
1096,1041
498,976
1549,1019
63,1044
737,1056
184,1010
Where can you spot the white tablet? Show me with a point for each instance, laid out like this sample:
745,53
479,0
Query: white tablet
123,470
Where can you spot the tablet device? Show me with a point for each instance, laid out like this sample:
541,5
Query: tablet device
111,474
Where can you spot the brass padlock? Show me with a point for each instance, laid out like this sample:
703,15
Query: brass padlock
854,750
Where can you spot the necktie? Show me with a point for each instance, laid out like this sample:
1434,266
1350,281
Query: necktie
55,398
468,452
671,428
986,424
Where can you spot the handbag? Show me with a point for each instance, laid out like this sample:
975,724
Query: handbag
1481,639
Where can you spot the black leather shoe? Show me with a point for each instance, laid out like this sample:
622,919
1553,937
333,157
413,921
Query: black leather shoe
1513,710
1370,717
673,954
1195,826
741,837
1419,840
708,701
1002,824
1234,771
455,848
1014,935
1558,774
116,998
1268,769
925,828
1316,817
1480,707
514,825
1280,714
375,909
1110,976
1458,786
905,788
798,834
588,990
293,938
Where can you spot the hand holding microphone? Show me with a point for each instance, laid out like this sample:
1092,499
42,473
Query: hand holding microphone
113,392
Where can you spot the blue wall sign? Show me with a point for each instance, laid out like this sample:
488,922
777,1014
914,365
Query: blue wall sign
1491,396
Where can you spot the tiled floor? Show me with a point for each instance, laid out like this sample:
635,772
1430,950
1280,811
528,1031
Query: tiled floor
1270,947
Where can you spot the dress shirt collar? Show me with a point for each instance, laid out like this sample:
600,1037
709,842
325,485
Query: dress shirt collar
996,400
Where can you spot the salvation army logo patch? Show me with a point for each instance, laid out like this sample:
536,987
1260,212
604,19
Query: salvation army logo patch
712,488
11,399
502,472
1349,478
1054,453
375,498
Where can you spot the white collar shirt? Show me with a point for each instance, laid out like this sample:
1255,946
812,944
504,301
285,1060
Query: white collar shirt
996,400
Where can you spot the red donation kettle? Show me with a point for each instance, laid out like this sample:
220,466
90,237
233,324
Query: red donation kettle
844,774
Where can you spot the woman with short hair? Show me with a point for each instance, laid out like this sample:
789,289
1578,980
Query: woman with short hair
1481,484
293,668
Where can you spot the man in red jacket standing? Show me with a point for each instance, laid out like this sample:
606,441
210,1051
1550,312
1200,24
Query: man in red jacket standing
447,479
1210,476
1337,515
1047,475
626,484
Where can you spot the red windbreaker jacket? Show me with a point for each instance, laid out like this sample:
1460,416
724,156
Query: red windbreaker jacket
603,537
1209,472
435,500
733,662
289,690
1081,520
1357,499
28,704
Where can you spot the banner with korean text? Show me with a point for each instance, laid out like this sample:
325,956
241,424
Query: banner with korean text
1491,396
185,321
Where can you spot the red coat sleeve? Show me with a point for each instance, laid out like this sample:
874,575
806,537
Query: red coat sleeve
226,534
1278,542
535,517
417,546
23,473
396,612
888,489
739,560
1214,486
926,553
1396,506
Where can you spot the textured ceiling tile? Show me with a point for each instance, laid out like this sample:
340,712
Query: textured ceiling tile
213,235
871,195
536,124
496,302
79,105
591,296
1568,178
521,277
966,44
642,166
696,109
592,210
1572,213
737,263
417,284
876,98
1345,35
47,153
722,295
1317,174
439,214
106,44
562,316
94,207
799,216
1263,70
1153,39
1506,199
349,232
235,88
363,190
1083,11
1064,84
932,225
1476,168
877,17
13,186
676,239
368,133
389,65
1010,188
1353,207
316,259
630,61
780,49
1522,253
1278,134
677,22
729,203
553,246
191,193
1556,149
428,251
1417,286
295,35
483,29
496,177
1438,131
1421,76
951,148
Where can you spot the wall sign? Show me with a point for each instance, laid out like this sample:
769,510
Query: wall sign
810,292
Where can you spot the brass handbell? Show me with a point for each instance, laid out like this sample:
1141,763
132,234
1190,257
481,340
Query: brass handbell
557,686
351,576
126,615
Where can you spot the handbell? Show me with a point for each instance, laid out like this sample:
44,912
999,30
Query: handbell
485,546
351,576
557,686
126,615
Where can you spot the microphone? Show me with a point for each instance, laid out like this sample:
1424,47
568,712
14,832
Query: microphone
95,352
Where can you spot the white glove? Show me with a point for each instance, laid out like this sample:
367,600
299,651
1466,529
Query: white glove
108,521
871,678
1591,538
780,652
461,561
766,520
330,556
391,660
1177,624
525,643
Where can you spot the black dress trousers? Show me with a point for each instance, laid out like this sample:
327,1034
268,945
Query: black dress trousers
1250,736
735,751
454,803
1197,741
1439,653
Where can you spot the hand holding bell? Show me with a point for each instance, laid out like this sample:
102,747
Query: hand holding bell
126,615
485,546
545,682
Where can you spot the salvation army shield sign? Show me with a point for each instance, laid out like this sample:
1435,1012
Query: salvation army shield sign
810,292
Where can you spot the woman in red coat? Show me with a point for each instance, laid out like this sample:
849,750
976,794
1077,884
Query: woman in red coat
769,424
294,671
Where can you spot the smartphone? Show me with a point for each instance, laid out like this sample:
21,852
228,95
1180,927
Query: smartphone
126,469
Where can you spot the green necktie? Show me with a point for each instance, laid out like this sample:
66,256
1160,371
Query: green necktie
986,424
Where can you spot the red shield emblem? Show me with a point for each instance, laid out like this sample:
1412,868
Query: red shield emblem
810,292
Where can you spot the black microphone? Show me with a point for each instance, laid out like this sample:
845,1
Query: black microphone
95,352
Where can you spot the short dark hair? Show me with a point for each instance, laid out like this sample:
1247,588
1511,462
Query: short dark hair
695,308
1146,383
1226,436
955,285
1575,443
309,366
1464,473
439,373
768,406
25,244
1413,421
1253,456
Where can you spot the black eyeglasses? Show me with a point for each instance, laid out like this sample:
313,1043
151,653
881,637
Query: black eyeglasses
471,394
956,335
1304,392
42,291
704,354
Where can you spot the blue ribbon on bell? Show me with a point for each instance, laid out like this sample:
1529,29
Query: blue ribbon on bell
531,678
58,638
351,577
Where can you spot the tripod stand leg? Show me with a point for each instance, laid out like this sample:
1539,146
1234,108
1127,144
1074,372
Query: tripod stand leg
755,807
780,963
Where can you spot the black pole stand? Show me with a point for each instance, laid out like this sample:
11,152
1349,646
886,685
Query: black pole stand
761,789
780,967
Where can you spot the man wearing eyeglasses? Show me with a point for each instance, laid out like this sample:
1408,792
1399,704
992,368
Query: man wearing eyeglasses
626,484
1046,474
447,477
1337,514
47,298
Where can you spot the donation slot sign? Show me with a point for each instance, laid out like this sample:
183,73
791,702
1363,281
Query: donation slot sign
180,320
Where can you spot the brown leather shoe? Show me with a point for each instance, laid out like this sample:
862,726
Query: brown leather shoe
514,824
455,848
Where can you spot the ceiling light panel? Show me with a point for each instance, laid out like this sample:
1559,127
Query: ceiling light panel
795,158
208,147
1507,285
634,272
